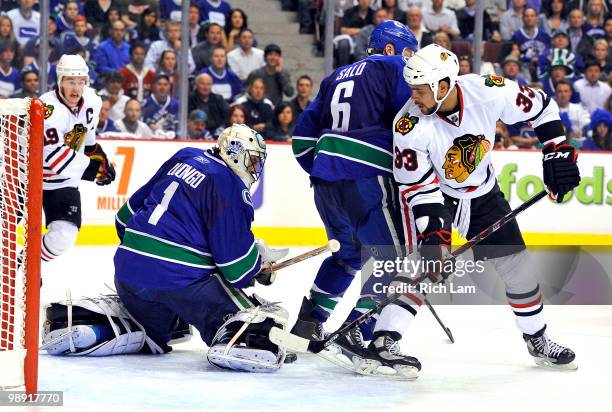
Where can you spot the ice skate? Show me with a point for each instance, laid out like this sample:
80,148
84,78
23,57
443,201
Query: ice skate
547,353
385,359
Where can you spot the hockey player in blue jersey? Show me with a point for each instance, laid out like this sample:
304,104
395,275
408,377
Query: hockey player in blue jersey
343,140
186,251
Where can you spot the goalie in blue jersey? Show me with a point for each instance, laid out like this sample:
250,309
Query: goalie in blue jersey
186,251
344,141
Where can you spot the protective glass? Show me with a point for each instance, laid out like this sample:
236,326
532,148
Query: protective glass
74,83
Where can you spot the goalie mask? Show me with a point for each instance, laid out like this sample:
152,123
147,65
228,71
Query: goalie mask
244,151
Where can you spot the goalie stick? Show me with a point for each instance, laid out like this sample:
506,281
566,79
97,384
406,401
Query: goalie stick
299,344
333,246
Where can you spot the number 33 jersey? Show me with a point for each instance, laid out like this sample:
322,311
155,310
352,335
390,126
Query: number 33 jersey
452,153
67,132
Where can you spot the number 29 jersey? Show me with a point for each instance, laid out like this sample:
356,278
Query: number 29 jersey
345,133
66,134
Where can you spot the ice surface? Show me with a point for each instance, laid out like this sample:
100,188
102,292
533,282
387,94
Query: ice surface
488,367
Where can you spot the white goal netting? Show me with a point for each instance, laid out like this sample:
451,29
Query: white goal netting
14,174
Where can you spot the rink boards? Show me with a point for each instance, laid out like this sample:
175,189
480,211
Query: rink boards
285,212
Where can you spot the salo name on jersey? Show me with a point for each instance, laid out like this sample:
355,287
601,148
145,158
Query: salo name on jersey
351,71
188,174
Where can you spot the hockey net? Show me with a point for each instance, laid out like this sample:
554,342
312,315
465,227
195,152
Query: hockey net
21,145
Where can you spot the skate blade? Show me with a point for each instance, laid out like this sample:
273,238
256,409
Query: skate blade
334,355
398,372
545,363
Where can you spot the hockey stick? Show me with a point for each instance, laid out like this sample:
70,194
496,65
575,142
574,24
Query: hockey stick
299,344
333,246
435,315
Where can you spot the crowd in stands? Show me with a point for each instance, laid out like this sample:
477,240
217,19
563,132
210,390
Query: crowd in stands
132,48
560,46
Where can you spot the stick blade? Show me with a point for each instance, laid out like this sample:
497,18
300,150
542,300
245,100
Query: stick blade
333,245
288,340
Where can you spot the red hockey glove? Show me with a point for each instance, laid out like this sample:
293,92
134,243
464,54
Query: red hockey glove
435,250
106,172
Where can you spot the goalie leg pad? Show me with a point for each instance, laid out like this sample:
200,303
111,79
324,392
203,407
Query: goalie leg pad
94,327
242,343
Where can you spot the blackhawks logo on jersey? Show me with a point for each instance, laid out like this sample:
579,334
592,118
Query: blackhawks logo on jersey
48,110
492,80
75,138
406,123
465,156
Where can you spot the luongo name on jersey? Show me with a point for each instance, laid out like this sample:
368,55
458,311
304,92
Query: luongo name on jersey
67,132
190,220
453,154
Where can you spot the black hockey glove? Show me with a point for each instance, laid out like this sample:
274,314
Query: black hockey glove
435,251
106,173
265,277
561,172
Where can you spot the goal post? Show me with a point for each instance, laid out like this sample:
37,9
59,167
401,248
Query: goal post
21,152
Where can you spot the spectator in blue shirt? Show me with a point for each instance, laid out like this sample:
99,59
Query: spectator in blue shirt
170,10
10,78
214,11
600,128
65,21
114,53
225,82
105,123
161,111
531,40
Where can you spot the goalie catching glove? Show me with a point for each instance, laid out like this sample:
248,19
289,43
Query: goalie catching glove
242,342
106,172
268,257
561,172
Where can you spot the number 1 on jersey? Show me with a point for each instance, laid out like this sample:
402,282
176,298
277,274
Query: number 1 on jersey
163,206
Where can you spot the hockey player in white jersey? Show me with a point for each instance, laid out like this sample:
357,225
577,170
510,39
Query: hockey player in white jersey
443,138
71,153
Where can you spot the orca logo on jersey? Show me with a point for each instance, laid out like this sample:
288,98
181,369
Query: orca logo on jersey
465,156
48,110
406,123
246,197
75,138
492,80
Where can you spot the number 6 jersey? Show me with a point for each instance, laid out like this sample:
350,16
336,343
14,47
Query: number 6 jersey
67,132
345,133
452,153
